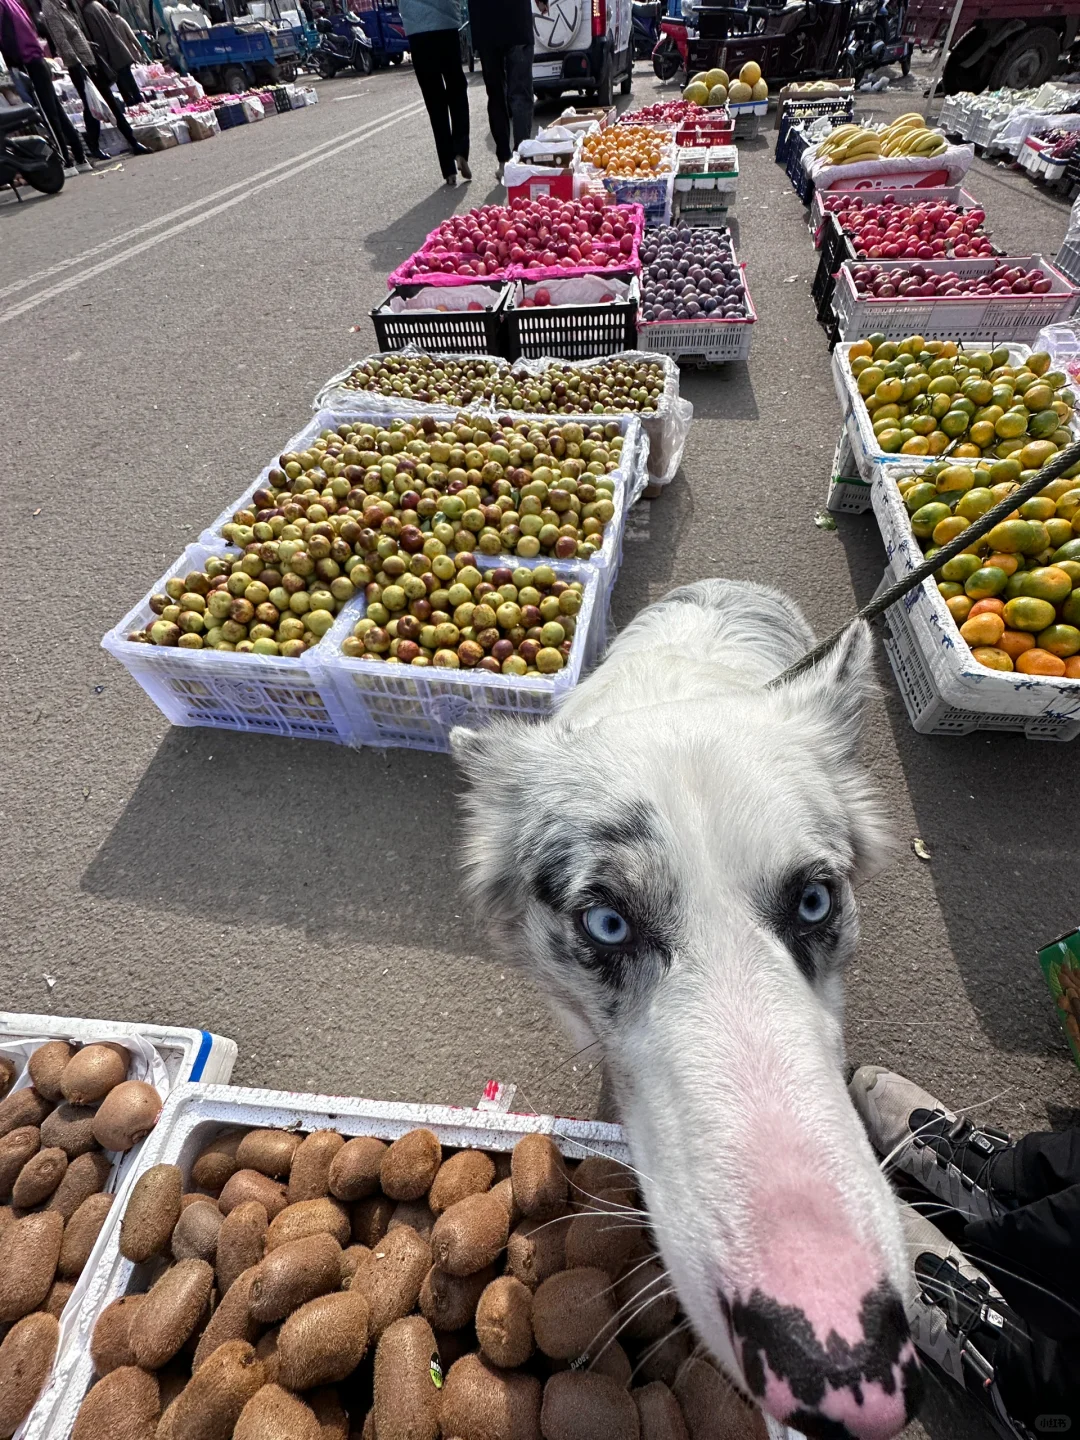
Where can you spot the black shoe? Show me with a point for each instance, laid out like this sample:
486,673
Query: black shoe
97,155
450,179
138,149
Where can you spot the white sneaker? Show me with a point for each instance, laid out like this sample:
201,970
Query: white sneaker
499,170
70,172
85,168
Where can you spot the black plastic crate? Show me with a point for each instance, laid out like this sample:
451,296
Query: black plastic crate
457,332
282,103
835,249
224,116
573,332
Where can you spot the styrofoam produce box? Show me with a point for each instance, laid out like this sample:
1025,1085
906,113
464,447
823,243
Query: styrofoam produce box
166,1056
196,1114
944,688
702,341
958,317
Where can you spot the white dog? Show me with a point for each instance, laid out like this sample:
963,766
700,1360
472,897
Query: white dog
676,852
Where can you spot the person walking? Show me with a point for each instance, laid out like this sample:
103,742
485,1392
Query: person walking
125,79
21,49
433,28
71,43
502,33
109,51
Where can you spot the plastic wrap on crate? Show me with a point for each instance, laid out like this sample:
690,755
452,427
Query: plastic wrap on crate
349,404
164,1056
453,325
706,340
945,689
948,168
264,694
958,317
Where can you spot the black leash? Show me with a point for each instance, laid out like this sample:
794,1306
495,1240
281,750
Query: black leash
1054,467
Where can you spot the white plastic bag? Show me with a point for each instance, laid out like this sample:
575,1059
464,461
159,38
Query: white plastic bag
96,101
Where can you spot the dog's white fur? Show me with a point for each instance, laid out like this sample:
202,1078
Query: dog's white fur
725,1060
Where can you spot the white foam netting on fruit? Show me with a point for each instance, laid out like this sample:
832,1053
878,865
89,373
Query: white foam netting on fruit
444,299
576,290
667,427
955,160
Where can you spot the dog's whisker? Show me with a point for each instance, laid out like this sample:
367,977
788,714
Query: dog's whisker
626,1274
887,1160
592,1150
628,1319
658,1345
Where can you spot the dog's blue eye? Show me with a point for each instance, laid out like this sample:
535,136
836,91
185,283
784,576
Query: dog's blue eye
604,925
815,904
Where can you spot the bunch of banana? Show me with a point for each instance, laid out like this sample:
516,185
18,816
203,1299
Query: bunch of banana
908,135
849,143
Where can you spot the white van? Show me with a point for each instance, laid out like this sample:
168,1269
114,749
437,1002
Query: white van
585,45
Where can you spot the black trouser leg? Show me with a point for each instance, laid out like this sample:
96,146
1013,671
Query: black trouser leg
104,85
125,83
493,64
67,137
1038,1378
457,96
79,78
431,63
519,86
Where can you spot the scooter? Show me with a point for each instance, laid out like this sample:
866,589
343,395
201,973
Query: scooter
646,16
672,51
876,39
336,52
30,154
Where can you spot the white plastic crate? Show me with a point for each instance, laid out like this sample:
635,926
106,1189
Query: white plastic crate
911,195
947,692
849,493
970,317
748,115
264,694
197,1114
166,1056
703,342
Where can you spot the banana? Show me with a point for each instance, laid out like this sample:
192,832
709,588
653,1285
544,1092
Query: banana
911,118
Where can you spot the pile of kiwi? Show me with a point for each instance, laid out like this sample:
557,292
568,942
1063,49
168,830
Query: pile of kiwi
318,1288
54,1135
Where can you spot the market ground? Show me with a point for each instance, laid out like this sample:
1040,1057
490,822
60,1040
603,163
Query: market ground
164,326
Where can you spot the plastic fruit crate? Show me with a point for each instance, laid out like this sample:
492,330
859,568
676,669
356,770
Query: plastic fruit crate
947,692
747,116
911,195
701,342
570,331
849,493
974,317
715,128
1067,260
460,332
835,249
264,694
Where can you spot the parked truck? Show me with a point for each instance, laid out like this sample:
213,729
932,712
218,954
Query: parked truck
996,43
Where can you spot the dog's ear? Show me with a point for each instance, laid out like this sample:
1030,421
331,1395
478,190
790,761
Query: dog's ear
837,689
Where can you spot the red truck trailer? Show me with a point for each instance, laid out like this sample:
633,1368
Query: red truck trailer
995,43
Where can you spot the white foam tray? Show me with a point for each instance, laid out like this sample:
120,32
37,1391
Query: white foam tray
195,1114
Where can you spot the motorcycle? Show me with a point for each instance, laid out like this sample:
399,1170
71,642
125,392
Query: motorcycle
876,39
336,51
672,51
646,18
30,154
800,40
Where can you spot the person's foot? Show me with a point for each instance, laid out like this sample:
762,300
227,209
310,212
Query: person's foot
499,170
139,149
70,171
450,179
98,155
84,167
463,167
915,1132
956,1316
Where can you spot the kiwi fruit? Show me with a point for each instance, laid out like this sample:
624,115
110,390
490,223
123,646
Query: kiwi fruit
273,1414
244,1185
294,1273
504,1189
504,1322
572,1313
323,1341
310,1217
712,1408
110,1344
448,1302
268,1151
333,1421
46,1066
232,1320
469,1172
371,1219
266,1350
123,1405
479,1399
171,1380
414,1213
579,1405
151,1214
406,1405
85,1175
7,1219
28,1255
352,1257
368,1431
127,1115
539,1175
354,1170
651,1319
16,1149
72,1128
38,1178
173,1307
410,1165
92,1072
470,1234
7,1075
392,1279
602,1238
597,1174
536,1250
240,1243
216,1163
195,1234
309,1176
80,1233
26,1357
212,1401
613,1360
56,1300
658,1413
22,1107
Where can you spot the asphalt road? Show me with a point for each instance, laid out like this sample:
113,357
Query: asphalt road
164,326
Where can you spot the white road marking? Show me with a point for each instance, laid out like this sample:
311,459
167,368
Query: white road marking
121,239
353,95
